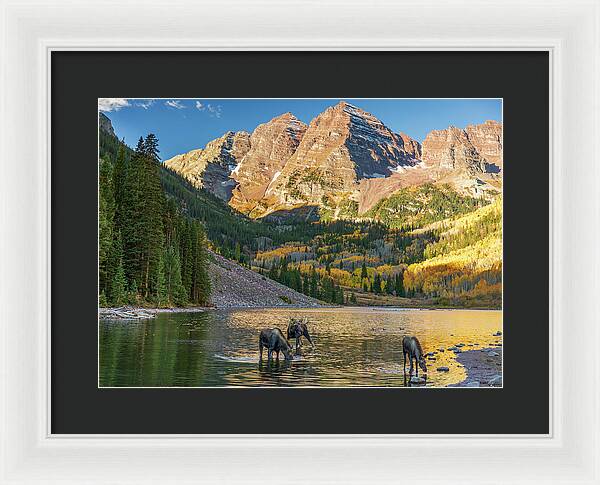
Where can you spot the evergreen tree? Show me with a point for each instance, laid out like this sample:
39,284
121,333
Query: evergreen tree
116,290
118,295
150,149
306,285
296,282
132,295
328,290
273,272
118,183
106,211
172,267
201,285
132,207
143,234
314,287
363,271
153,215
162,296
188,243
377,284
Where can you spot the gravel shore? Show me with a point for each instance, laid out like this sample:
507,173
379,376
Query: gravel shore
483,367
234,286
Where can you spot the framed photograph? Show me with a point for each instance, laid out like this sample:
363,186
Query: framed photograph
387,249
241,233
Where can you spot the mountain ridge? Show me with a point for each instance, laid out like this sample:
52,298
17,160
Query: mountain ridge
344,156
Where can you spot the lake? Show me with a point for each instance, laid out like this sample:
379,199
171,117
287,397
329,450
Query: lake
353,347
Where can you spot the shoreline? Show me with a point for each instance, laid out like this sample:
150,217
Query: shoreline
136,313
483,367
155,310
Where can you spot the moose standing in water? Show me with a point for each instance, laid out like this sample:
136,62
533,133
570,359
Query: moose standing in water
274,341
298,328
412,347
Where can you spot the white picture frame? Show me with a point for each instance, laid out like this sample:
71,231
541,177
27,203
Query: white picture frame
569,30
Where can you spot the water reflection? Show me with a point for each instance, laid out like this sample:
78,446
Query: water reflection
353,347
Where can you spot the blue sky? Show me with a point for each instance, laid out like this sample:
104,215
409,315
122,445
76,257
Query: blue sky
182,125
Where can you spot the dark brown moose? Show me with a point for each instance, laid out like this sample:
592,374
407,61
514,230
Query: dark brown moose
412,347
297,329
274,341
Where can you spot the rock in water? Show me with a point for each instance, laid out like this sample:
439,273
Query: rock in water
472,384
417,380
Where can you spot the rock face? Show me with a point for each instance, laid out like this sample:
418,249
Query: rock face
412,147
487,140
271,146
210,167
105,124
341,146
469,159
476,149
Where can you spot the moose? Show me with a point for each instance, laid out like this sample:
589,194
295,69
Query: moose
274,341
298,328
412,347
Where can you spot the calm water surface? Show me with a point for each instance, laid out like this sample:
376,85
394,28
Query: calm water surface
353,347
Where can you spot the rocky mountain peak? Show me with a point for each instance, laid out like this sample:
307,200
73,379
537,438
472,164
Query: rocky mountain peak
210,167
228,149
271,145
105,123
342,145
411,146
487,139
469,159
476,149
345,156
